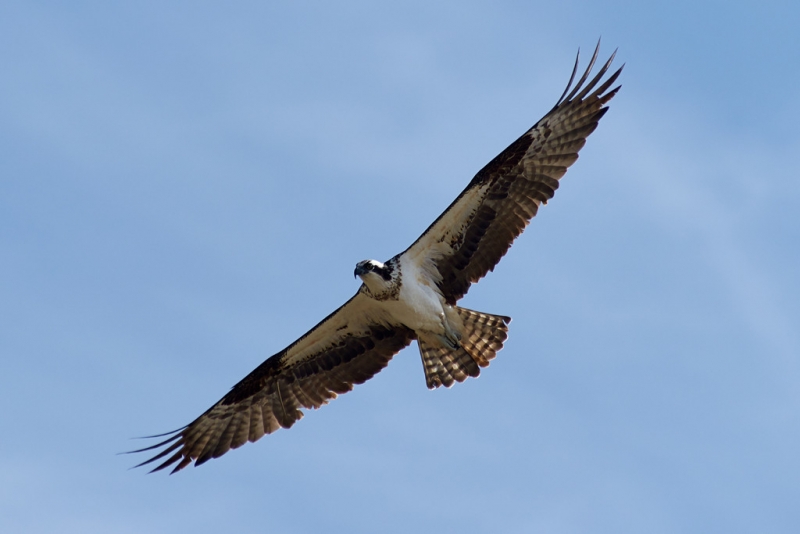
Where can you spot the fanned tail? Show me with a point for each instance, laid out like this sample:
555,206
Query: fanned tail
481,338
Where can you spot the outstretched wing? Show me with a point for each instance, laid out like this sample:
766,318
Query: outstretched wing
348,347
477,229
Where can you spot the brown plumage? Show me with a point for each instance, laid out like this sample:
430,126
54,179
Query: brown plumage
391,309
520,179
271,396
481,339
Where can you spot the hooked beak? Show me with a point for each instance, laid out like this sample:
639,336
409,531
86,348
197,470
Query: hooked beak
359,271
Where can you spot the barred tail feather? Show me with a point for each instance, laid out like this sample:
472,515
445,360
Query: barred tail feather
445,366
481,338
483,334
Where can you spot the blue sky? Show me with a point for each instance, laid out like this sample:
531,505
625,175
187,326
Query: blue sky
186,188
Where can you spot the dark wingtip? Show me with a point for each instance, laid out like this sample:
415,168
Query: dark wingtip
163,434
580,89
571,78
174,441
172,436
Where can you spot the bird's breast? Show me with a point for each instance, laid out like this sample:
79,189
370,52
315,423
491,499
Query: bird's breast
419,305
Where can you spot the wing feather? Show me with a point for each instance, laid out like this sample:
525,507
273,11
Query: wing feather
355,342
346,348
478,228
256,423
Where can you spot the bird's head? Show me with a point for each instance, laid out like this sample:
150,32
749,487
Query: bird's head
376,275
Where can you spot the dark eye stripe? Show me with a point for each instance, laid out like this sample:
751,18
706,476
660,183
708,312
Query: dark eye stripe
385,273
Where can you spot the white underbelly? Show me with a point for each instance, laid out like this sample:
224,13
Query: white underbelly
419,306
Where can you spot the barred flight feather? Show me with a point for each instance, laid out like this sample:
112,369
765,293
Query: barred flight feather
461,246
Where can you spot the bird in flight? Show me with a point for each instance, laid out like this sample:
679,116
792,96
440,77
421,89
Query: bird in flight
412,296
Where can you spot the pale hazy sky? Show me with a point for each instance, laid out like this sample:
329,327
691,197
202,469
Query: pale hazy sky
184,190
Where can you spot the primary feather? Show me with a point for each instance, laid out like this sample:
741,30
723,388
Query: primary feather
411,296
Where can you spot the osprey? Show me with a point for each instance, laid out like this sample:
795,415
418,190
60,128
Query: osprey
412,296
